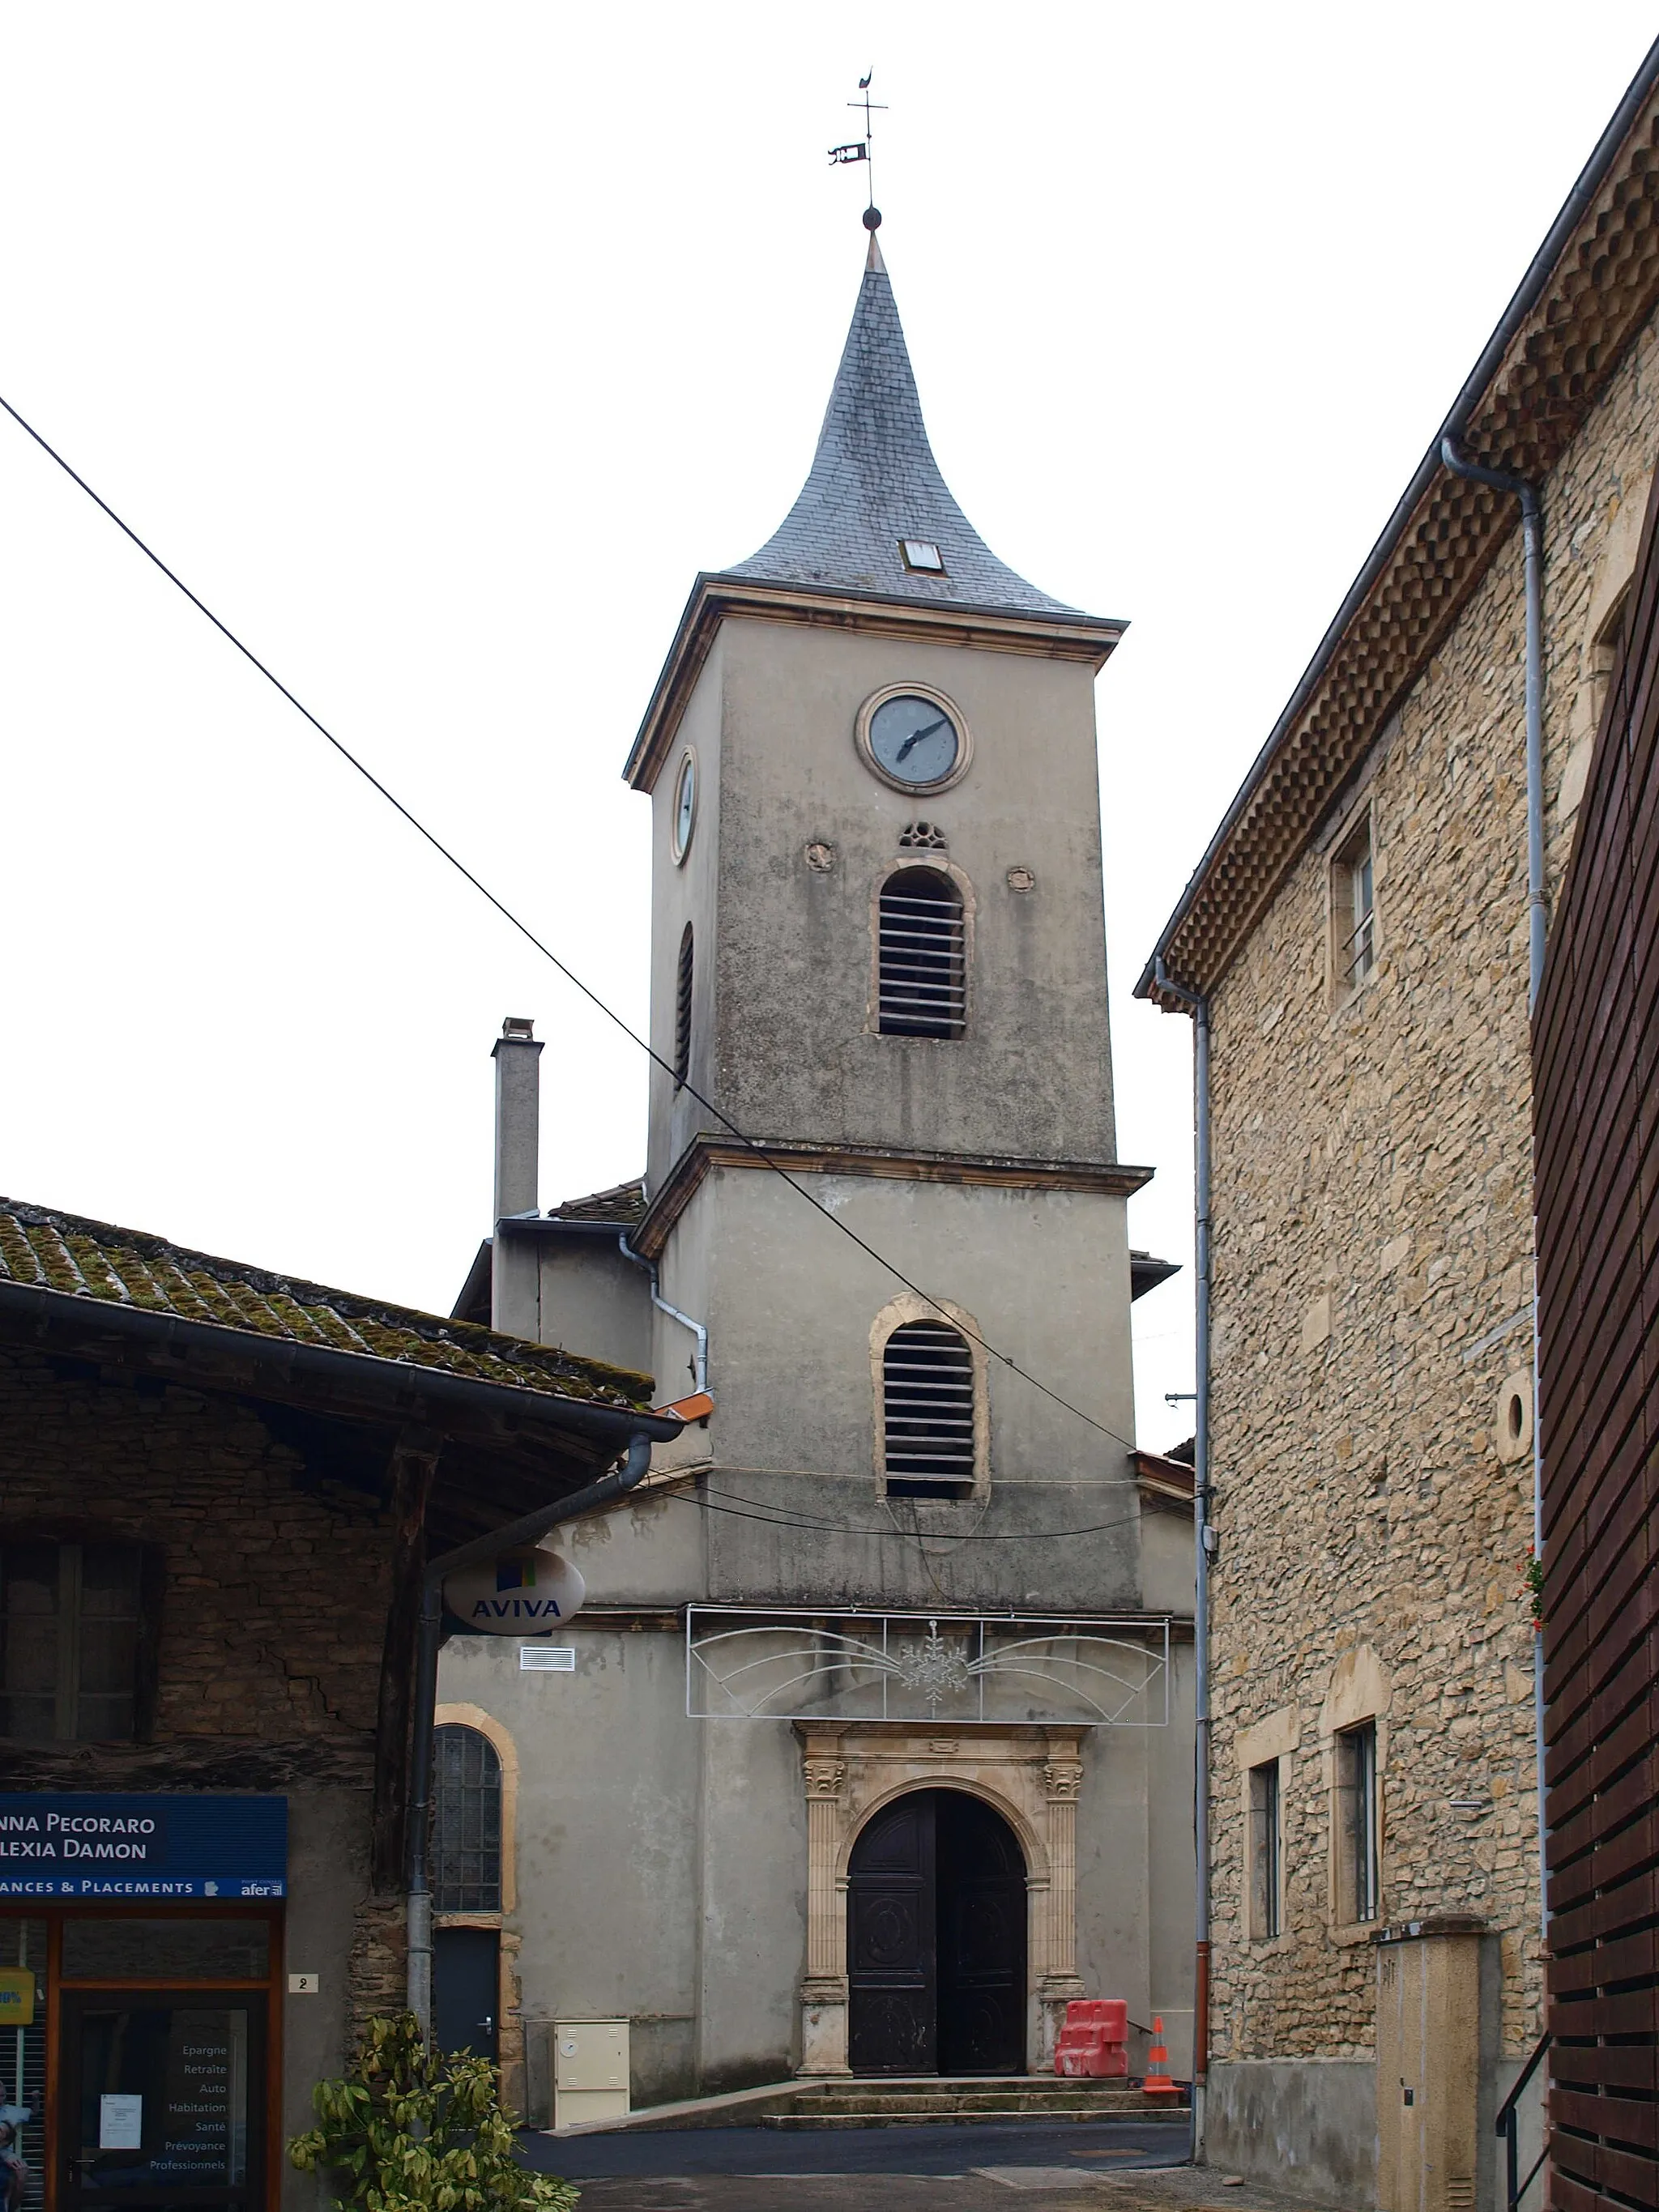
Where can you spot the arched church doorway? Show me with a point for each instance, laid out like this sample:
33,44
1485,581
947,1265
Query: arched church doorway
936,1939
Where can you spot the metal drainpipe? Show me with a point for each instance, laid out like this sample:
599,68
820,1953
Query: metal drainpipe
696,1328
1203,1538
1532,526
418,1982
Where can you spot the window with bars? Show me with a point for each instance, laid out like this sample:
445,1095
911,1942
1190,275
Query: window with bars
683,1008
71,1621
1353,912
927,1412
922,960
1264,1842
466,1821
1357,1838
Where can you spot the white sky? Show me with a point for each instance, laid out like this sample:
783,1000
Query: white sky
439,349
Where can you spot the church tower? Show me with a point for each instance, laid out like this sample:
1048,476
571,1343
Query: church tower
893,1641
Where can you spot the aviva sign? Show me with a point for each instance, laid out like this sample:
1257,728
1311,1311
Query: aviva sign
521,1594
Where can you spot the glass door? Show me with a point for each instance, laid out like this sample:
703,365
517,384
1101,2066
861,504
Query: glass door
162,2099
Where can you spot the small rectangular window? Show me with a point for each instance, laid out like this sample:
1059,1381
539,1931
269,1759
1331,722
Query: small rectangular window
922,555
1264,1848
1353,912
1356,1823
1604,655
69,1642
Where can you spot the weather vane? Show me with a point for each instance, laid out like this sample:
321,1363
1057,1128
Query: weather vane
862,149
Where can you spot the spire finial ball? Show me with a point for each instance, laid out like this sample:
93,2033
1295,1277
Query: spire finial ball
872,218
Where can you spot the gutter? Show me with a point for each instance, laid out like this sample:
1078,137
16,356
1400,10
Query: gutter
52,1311
1204,1542
541,1224
699,1329
1527,296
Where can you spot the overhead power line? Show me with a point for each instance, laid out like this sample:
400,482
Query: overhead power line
754,1145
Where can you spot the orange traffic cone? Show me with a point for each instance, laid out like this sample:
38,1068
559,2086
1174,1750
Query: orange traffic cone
1158,2082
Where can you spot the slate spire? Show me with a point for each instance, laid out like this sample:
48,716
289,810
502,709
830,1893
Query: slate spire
874,484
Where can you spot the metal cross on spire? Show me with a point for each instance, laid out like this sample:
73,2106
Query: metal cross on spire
863,150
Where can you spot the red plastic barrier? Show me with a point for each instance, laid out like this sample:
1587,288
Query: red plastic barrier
1094,2043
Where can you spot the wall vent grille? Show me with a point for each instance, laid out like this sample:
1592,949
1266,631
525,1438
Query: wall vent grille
922,960
927,1411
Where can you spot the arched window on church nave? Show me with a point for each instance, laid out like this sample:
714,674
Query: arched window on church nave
683,1008
931,1408
466,1825
921,956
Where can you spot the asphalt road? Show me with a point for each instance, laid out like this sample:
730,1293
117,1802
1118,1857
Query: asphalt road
1087,2146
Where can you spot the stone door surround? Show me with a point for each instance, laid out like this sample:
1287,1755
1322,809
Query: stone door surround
1031,1775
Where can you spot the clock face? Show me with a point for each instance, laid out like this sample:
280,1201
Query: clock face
685,805
915,740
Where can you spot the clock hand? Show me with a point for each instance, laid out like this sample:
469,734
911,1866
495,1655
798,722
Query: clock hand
916,737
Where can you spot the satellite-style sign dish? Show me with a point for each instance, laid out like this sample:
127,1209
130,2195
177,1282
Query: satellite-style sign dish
520,1594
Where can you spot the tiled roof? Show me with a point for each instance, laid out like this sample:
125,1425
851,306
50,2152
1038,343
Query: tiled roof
874,481
93,1259
624,1204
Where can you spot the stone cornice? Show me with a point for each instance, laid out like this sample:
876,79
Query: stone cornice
1086,638
889,1163
1592,287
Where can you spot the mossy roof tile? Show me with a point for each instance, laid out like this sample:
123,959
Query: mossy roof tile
96,1261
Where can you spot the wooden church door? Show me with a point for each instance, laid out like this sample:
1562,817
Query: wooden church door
936,1939
891,1952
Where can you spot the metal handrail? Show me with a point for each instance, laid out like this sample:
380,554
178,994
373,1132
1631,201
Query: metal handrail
1508,2122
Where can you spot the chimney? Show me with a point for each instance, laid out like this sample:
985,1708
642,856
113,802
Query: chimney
518,1116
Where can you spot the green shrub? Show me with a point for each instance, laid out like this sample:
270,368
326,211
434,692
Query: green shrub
410,2131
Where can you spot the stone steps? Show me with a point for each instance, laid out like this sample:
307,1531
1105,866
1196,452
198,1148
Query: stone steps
887,2117
876,2104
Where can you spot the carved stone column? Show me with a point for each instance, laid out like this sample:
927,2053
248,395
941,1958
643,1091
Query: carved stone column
1062,1778
823,1986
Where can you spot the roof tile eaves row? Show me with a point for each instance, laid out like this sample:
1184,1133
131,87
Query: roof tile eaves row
1554,369
94,1261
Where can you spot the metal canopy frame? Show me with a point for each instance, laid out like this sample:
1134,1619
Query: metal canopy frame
844,1663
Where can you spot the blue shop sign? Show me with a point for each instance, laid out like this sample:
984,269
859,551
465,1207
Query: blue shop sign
96,1845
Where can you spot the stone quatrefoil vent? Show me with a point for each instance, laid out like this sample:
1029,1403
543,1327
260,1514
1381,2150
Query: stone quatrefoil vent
922,837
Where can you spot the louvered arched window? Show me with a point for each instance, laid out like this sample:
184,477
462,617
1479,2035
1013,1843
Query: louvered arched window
466,1821
928,1427
683,1009
921,956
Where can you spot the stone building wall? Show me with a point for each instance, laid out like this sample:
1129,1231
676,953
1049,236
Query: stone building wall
1373,1287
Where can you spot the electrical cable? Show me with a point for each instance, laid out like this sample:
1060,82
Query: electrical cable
754,1145
943,1535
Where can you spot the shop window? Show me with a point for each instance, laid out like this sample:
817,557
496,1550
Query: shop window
70,1642
1265,1852
1357,1829
467,1830
104,1948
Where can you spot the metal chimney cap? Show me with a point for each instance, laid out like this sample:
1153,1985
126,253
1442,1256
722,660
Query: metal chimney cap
520,1027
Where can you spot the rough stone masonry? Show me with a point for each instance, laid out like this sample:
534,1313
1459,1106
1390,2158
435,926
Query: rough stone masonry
1373,1304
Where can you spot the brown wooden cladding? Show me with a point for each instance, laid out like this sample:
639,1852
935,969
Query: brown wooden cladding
1595,1038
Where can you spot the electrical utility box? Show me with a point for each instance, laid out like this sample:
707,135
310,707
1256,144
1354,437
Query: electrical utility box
590,2070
